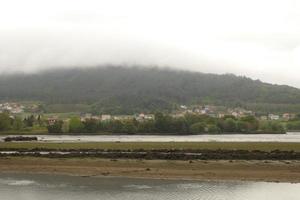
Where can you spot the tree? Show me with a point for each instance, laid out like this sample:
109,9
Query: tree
297,116
252,122
5,122
277,127
116,126
17,123
41,108
293,125
65,126
229,125
272,126
129,127
197,128
229,117
179,125
56,127
193,118
146,126
241,126
76,126
162,123
90,126
29,121
213,129
39,120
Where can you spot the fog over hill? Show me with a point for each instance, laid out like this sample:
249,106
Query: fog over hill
206,36
134,89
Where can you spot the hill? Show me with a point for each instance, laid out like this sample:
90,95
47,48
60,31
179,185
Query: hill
129,90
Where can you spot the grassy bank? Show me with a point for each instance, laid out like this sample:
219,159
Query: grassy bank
262,146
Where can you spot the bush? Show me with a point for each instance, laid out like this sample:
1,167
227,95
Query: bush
197,128
213,129
229,125
76,126
56,127
241,126
129,127
293,125
146,126
91,126
17,124
5,122
272,126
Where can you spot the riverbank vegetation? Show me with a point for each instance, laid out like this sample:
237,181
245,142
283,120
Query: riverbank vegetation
17,125
294,124
162,124
166,124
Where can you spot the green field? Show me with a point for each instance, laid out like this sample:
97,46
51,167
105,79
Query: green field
263,146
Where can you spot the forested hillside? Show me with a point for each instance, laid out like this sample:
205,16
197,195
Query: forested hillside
129,90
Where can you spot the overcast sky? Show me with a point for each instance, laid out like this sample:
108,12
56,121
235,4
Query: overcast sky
257,38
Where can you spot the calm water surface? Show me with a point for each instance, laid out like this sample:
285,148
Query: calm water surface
289,137
55,187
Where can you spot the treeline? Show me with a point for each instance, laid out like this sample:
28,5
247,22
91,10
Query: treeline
294,124
266,108
14,123
165,124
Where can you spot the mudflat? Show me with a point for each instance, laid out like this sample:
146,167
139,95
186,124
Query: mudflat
250,170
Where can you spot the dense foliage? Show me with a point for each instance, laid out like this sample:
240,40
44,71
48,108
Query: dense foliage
14,123
161,124
56,127
120,90
294,124
165,124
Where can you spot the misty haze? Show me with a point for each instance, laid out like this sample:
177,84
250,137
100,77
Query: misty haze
150,99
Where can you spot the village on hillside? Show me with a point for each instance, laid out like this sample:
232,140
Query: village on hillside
213,111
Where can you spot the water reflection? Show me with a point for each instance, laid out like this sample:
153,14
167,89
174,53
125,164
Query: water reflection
44,187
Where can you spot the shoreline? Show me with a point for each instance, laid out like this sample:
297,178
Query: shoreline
210,170
143,134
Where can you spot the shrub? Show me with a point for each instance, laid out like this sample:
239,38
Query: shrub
197,128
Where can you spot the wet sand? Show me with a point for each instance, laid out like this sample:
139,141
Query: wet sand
270,171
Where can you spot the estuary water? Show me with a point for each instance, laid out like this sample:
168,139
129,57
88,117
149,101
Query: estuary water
58,187
289,137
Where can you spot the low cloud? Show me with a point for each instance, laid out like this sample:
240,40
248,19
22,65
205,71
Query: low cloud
195,35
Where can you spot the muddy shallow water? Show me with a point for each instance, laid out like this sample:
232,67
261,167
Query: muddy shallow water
58,187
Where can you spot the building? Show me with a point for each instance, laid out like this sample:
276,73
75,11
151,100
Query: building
89,116
273,117
235,114
264,118
178,115
143,117
123,117
140,117
14,108
203,112
52,120
183,107
106,117
288,116
221,115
